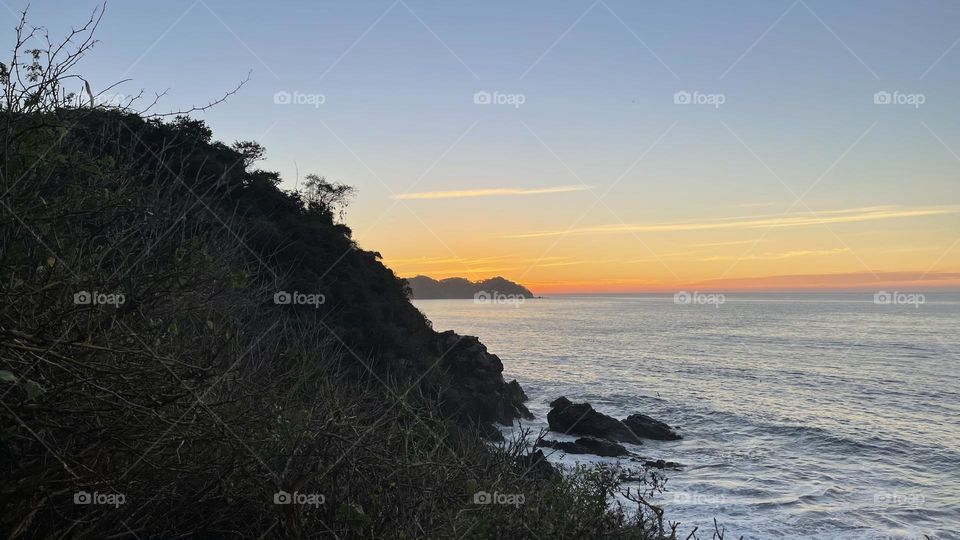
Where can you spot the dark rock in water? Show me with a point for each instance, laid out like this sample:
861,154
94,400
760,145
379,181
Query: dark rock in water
582,419
561,401
661,464
645,427
565,446
586,445
478,392
535,465
602,448
516,391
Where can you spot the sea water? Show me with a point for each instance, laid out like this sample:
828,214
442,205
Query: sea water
821,416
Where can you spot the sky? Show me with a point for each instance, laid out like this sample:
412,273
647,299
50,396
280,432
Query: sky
585,146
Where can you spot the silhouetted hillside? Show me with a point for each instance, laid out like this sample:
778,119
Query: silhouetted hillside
189,351
423,287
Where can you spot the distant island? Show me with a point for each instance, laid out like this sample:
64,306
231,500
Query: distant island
424,288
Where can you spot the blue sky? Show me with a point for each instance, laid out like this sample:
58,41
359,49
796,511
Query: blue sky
597,78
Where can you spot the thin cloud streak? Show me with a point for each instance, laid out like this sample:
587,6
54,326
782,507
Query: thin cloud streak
730,243
781,255
852,215
463,193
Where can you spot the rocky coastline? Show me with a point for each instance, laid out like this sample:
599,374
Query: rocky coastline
480,395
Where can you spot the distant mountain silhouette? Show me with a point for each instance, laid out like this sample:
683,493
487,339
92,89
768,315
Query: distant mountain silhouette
424,287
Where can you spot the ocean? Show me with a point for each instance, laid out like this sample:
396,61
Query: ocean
813,416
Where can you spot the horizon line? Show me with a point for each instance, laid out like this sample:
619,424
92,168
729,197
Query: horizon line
915,281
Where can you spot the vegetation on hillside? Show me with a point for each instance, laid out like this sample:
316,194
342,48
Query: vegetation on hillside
493,290
160,376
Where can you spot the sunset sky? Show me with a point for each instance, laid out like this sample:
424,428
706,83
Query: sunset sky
587,176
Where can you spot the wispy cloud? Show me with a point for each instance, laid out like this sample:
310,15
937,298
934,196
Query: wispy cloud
464,272
841,281
850,215
730,243
575,263
780,255
660,256
489,192
449,266
445,260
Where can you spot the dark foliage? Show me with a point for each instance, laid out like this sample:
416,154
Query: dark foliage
146,361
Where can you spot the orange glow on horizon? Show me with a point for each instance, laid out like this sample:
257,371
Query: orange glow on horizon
851,249
798,283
